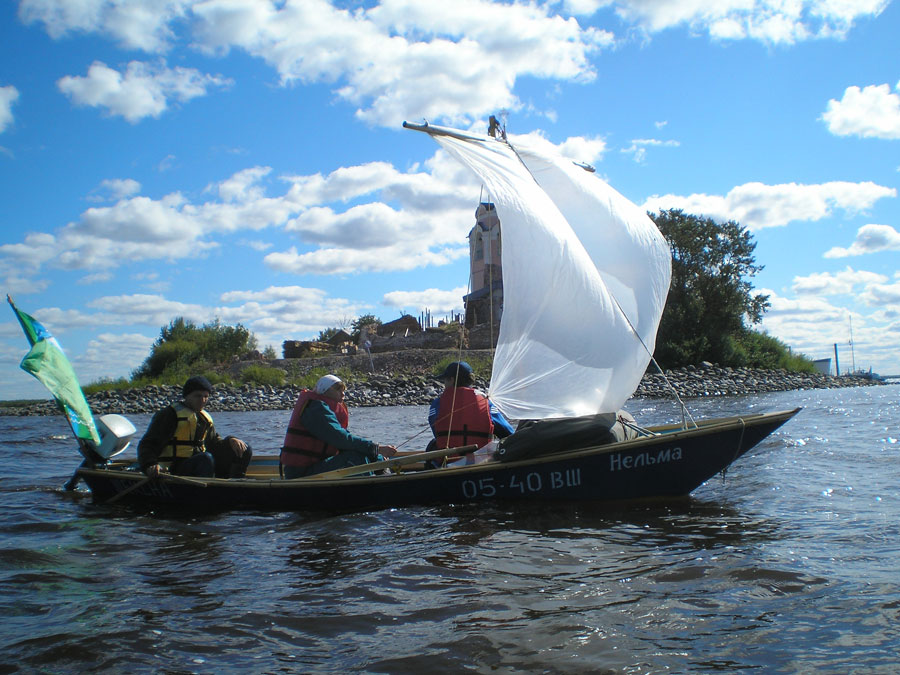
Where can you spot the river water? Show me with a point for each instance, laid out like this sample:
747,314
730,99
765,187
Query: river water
788,563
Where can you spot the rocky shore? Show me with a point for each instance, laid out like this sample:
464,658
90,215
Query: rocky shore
416,386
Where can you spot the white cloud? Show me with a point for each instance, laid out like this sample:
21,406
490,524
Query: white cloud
584,7
292,312
883,295
638,147
872,112
95,363
769,21
433,299
813,324
757,206
846,282
258,245
167,163
869,239
430,218
347,261
407,59
404,59
36,249
146,310
8,95
119,188
136,24
95,278
585,149
144,90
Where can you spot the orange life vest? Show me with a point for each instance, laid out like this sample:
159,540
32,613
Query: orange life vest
464,418
301,448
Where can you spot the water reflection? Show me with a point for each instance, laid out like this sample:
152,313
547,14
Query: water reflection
787,565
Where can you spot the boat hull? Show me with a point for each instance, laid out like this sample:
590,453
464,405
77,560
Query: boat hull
670,464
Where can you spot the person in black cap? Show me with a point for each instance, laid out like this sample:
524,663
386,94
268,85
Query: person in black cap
461,415
182,440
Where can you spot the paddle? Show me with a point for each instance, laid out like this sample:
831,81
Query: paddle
173,478
392,463
130,488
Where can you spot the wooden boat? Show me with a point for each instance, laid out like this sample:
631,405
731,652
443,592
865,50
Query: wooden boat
585,278
669,463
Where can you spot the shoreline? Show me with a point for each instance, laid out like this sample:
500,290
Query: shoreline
419,388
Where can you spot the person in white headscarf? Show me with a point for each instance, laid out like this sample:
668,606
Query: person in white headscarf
317,439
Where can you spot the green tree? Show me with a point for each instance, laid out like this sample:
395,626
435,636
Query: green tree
364,320
327,334
183,348
710,303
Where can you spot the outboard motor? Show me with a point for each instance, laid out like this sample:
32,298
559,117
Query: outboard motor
115,435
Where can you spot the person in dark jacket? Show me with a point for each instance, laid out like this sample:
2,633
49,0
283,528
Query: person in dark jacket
182,440
317,439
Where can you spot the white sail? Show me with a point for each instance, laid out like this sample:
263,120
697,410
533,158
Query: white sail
583,269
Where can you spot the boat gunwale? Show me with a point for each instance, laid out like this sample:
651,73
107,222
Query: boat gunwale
663,434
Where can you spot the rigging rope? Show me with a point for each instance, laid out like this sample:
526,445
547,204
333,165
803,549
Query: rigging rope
684,410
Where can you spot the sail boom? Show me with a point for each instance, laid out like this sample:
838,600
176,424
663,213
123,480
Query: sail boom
433,130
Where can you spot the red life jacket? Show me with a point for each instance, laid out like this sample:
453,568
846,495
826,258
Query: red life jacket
464,418
301,448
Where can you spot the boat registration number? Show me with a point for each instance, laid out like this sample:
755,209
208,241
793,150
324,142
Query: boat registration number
520,484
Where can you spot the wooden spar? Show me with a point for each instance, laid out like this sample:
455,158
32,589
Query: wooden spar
392,463
444,131
130,488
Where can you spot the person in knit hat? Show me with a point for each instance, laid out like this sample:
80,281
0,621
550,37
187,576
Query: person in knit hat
182,439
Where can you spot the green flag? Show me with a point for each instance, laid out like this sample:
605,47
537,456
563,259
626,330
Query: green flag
47,362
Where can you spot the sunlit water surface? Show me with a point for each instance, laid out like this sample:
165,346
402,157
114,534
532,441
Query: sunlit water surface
789,563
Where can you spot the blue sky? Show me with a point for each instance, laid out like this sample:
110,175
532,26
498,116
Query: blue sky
244,159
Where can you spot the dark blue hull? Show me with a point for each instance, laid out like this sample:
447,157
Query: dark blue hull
668,465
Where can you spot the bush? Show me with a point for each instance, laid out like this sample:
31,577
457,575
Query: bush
481,365
308,380
264,375
758,350
183,349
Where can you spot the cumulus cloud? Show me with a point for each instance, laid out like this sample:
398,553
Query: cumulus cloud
433,299
872,112
638,147
140,24
883,295
94,363
148,309
115,189
819,316
342,261
143,90
295,311
8,95
757,206
769,21
96,278
404,59
585,149
845,282
36,249
368,217
869,239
